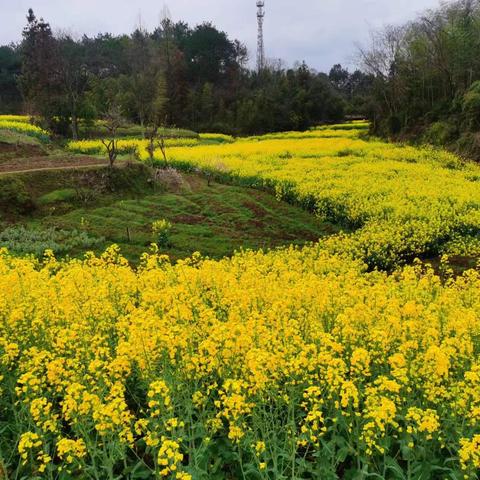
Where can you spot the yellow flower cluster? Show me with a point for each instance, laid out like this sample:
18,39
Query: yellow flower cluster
21,126
169,457
30,445
234,407
333,131
15,118
159,398
293,354
41,412
128,145
423,421
314,423
470,453
71,450
140,146
400,202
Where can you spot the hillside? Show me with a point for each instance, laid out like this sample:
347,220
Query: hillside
348,356
215,220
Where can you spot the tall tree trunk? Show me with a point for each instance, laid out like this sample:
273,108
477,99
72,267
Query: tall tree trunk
74,118
74,126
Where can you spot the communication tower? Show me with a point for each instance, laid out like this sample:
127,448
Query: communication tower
260,44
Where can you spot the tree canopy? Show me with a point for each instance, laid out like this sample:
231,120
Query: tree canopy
194,77
426,76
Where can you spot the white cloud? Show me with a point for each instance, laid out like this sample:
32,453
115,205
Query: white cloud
321,32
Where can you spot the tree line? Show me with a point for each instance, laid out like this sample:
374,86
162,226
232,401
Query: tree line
195,77
427,77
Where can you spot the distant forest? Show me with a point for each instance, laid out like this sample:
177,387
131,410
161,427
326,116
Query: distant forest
197,76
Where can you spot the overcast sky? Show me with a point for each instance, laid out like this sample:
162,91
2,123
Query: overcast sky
321,32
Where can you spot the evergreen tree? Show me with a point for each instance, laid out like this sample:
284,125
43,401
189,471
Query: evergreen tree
40,78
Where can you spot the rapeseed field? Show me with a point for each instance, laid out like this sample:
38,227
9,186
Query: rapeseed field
344,359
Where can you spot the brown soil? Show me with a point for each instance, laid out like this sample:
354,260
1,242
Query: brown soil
255,208
256,223
458,263
308,236
9,150
189,219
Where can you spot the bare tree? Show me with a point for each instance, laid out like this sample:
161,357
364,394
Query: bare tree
113,121
156,141
155,132
382,59
89,185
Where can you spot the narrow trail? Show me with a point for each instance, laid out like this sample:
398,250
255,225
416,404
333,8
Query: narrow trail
47,163
42,169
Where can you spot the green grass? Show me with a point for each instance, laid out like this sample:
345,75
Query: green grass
215,220
11,137
62,195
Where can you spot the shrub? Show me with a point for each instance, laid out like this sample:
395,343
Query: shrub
469,144
441,133
21,240
14,196
471,106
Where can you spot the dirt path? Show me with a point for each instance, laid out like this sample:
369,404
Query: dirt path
48,169
36,164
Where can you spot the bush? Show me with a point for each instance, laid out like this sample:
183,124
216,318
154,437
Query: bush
471,106
469,144
90,184
14,196
441,133
23,241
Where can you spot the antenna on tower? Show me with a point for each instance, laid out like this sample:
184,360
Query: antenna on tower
139,24
260,44
165,15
